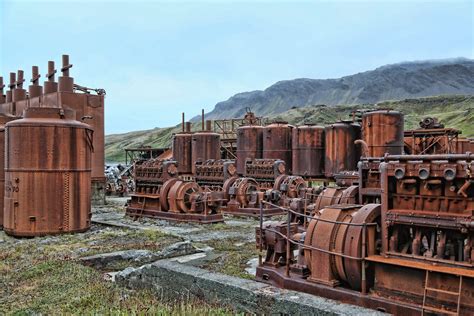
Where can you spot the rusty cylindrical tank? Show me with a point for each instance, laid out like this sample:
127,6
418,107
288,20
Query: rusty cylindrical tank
205,145
382,131
47,173
3,120
277,142
308,150
341,153
182,150
249,145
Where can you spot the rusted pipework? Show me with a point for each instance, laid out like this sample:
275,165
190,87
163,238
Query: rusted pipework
182,122
2,97
208,125
202,120
65,83
35,90
19,93
50,85
364,146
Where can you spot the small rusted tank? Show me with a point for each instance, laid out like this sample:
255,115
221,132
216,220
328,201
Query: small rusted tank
249,145
182,150
277,142
308,150
382,131
3,120
205,145
341,152
47,173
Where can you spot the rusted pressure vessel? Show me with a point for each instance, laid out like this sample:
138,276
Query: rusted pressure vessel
47,173
277,142
3,120
308,150
382,131
182,150
205,145
249,145
341,152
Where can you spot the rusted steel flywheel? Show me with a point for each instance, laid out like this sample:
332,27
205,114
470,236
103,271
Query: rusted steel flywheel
242,190
180,196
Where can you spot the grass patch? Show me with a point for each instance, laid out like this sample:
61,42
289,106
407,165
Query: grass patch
233,257
41,276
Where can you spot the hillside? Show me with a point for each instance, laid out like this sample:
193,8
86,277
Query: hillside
453,111
390,82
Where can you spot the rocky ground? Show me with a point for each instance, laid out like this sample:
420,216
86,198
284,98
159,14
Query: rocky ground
72,273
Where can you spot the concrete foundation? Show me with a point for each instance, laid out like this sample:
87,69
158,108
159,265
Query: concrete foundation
176,281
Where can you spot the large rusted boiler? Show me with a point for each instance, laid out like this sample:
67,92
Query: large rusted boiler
47,173
382,132
308,151
205,145
249,145
181,147
277,142
341,154
3,120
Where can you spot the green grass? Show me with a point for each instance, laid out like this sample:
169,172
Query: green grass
454,111
38,276
233,255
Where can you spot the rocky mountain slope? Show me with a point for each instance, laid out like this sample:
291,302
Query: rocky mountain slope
391,82
453,111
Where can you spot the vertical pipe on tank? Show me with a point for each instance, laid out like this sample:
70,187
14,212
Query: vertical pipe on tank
2,97
35,90
188,127
208,125
66,83
19,93
11,85
50,85
182,122
202,120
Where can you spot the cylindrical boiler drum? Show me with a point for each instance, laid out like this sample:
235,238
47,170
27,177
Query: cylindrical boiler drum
382,131
308,151
47,173
205,145
277,142
341,153
3,120
182,151
249,145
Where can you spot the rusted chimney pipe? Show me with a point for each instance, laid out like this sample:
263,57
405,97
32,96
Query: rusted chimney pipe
65,83
50,85
208,125
188,127
202,120
182,122
11,85
19,93
35,89
2,97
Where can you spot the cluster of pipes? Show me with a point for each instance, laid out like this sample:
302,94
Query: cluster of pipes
53,161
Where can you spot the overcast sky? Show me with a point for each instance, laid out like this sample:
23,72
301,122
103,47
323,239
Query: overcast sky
157,59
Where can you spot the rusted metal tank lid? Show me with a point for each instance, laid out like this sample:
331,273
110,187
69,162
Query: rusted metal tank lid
49,112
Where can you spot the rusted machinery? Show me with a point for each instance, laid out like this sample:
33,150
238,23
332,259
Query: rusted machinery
182,148
264,171
277,142
340,152
412,253
64,93
249,145
431,138
205,145
161,194
308,151
4,118
47,173
211,174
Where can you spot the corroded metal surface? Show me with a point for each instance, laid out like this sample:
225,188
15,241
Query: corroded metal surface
341,154
48,146
308,151
3,120
249,145
382,131
277,143
205,145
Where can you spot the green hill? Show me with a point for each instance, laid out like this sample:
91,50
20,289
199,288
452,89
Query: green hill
453,111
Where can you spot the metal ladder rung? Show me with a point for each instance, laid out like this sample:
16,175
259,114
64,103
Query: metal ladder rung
442,291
